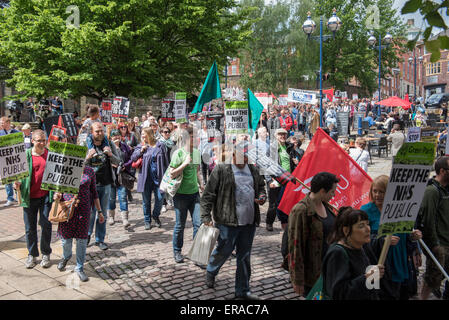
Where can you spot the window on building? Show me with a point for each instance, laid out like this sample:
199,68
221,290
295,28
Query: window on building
234,70
433,68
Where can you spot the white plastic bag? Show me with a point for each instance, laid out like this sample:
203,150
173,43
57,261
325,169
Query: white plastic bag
203,244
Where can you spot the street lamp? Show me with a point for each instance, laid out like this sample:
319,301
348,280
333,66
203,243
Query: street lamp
410,61
333,24
372,43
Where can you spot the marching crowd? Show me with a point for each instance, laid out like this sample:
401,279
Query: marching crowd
318,242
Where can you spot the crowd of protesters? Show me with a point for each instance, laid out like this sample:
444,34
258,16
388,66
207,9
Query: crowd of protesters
338,246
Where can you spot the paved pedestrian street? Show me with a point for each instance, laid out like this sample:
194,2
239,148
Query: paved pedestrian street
139,263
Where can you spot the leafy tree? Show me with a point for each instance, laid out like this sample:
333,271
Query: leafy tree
134,48
431,14
349,55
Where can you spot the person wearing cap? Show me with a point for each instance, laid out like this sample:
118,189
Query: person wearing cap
282,152
26,129
233,194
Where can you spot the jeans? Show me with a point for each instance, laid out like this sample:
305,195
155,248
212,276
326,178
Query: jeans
283,218
241,238
9,192
272,204
43,206
122,198
184,203
81,245
150,187
100,228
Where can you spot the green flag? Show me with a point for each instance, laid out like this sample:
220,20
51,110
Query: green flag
211,89
255,110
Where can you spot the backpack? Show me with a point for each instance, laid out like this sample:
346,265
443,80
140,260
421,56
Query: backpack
419,224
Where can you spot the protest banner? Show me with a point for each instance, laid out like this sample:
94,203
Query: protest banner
120,107
180,107
106,111
342,123
264,98
214,124
57,133
429,135
167,110
13,160
302,96
67,121
353,188
414,134
64,167
408,179
283,100
236,117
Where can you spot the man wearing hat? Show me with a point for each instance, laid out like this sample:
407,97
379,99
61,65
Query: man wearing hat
26,129
281,152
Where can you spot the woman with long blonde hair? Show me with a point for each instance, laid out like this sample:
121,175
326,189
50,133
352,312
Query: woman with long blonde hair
153,165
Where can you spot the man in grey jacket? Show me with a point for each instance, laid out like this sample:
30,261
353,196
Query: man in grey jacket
233,193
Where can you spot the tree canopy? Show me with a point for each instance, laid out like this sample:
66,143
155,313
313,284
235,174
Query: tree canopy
134,48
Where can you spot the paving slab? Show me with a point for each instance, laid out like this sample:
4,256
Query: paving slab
27,281
59,293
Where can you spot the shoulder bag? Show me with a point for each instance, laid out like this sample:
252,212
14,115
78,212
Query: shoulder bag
65,210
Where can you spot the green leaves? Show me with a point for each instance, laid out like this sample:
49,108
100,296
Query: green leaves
434,19
411,6
434,47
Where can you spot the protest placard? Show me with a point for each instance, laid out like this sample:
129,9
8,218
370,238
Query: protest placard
106,111
406,186
236,117
180,107
69,123
49,122
342,123
215,124
64,167
57,133
302,96
429,135
13,160
167,110
120,107
414,134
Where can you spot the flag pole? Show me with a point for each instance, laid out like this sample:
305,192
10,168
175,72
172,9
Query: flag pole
386,246
434,259
308,188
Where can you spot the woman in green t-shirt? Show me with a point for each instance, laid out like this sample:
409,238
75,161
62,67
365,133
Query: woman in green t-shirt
186,161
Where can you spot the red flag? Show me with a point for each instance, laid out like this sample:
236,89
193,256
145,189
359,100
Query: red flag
324,154
329,93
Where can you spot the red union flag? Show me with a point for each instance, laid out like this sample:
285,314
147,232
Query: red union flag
324,154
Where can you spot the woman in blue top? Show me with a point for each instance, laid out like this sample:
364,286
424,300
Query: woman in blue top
154,163
399,258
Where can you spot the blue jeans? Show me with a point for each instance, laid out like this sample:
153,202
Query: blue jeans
241,238
150,187
122,198
100,228
182,204
41,206
9,192
81,245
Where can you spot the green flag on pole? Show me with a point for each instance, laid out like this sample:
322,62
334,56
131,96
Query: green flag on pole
255,110
211,89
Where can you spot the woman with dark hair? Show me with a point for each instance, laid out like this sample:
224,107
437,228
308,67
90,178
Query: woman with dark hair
345,266
127,137
309,224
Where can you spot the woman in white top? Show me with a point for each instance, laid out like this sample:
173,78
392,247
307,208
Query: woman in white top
359,154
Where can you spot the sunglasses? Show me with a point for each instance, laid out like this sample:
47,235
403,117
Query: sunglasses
123,127
165,131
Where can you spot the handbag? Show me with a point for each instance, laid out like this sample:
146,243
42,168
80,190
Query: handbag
127,180
65,210
203,244
137,164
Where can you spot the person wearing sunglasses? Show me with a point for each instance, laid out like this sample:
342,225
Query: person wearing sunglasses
127,137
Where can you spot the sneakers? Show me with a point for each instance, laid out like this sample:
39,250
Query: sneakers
269,227
210,280
10,203
178,257
103,246
111,216
45,263
247,296
164,209
83,277
147,226
62,264
158,222
125,221
31,262
202,266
